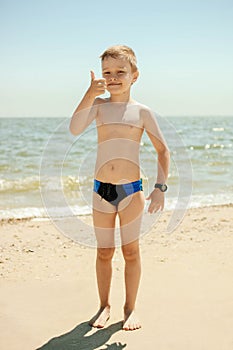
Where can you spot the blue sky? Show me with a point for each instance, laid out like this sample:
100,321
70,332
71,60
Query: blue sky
184,51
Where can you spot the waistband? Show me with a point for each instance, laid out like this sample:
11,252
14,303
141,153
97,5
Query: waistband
129,187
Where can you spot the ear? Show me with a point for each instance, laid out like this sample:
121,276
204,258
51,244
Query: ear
135,76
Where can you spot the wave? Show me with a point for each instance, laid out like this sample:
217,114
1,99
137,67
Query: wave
19,185
32,183
40,213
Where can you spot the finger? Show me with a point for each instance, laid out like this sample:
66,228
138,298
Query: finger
100,87
153,208
150,209
157,209
100,81
92,75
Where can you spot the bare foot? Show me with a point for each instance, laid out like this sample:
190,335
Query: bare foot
131,321
100,319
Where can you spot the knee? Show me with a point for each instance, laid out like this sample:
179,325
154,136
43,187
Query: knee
105,253
130,254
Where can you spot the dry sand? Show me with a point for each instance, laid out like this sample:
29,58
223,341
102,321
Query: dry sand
48,289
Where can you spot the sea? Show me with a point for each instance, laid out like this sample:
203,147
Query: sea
43,165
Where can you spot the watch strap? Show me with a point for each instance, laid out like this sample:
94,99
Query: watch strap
162,187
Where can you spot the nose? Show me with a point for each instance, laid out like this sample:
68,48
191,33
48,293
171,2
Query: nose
113,77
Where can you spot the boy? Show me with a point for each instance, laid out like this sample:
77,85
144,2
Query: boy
120,124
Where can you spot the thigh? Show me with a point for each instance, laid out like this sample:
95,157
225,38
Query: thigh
130,212
104,217
101,205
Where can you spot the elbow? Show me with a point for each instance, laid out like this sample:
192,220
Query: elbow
164,152
73,128
167,153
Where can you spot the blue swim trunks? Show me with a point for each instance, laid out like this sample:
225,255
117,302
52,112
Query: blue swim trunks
116,193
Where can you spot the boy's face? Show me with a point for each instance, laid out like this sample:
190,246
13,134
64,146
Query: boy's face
118,74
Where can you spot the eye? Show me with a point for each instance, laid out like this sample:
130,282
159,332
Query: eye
106,73
121,72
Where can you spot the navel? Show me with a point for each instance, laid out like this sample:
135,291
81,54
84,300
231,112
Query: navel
111,166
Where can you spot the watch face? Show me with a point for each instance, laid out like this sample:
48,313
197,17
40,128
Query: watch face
164,188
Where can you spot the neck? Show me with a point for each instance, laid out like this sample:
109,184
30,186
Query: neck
121,98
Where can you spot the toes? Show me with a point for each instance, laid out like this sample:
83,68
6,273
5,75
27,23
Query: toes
128,327
131,322
98,324
131,327
125,327
100,319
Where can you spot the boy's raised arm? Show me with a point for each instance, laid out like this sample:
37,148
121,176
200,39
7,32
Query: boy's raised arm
86,111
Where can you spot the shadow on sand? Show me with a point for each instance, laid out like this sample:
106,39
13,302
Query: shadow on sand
77,339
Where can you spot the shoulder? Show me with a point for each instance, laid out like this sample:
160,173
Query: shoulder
146,113
149,118
143,109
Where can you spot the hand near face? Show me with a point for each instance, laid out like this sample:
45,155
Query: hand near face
97,86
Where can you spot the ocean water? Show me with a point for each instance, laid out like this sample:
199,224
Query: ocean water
40,160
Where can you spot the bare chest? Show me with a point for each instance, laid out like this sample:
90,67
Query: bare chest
119,122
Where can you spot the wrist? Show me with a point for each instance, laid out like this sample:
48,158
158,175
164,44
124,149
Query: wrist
161,186
90,95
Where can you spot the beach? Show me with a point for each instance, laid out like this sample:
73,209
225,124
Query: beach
170,93
48,289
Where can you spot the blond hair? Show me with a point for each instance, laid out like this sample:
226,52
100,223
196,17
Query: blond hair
121,51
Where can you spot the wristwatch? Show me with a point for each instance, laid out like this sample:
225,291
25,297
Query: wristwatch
162,187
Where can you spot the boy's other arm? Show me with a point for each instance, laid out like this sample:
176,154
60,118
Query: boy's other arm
159,143
87,109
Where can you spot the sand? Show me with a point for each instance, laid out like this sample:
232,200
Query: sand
48,289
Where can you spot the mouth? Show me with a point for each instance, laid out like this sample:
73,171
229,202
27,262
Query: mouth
114,84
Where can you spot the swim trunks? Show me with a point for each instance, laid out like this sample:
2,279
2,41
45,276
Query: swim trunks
115,193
